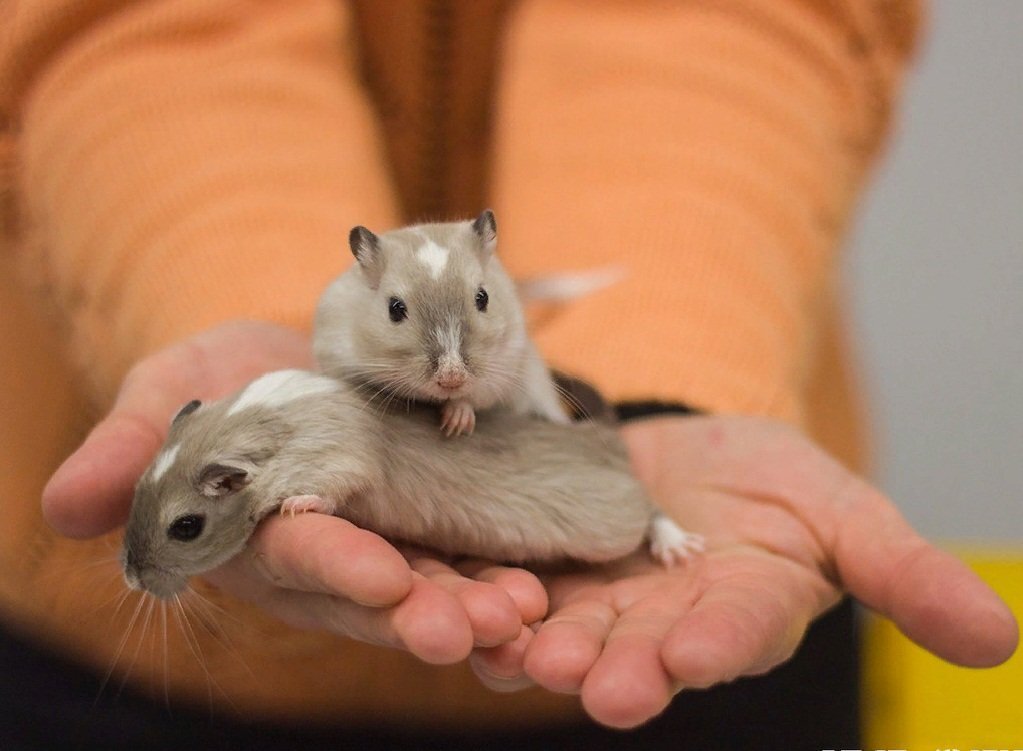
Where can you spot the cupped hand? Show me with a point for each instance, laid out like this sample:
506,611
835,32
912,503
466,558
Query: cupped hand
789,530
313,571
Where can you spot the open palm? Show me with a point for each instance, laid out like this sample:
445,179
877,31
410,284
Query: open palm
789,531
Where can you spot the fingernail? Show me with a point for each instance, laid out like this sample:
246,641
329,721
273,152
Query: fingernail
498,683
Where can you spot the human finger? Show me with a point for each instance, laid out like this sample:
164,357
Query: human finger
493,615
429,622
569,641
628,683
747,620
934,598
525,589
500,668
328,555
91,491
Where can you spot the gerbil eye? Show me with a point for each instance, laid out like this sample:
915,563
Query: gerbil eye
187,527
482,298
397,310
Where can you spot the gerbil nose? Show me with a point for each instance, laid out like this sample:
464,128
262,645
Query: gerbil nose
451,372
451,379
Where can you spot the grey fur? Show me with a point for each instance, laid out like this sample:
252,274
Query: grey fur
519,489
355,339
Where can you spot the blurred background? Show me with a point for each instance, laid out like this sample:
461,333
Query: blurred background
936,279
935,271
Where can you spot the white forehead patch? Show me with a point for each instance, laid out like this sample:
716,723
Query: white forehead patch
281,387
433,257
164,461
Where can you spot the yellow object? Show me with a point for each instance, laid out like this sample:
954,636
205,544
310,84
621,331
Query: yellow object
915,701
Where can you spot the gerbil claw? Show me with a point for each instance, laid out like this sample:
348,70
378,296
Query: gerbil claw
670,544
457,417
300,504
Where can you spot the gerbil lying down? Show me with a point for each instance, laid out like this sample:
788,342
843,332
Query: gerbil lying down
519,489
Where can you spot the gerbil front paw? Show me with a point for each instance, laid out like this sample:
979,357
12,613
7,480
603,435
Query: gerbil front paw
456,417
299,504
670,544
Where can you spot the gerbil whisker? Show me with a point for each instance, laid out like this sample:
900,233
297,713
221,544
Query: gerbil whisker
142,638
120,648
572,399
508,381
384,396
121,595
166,661
401,391
385,393
206,612
196,609
409,390
190,637
207,602
80,568
386,387
505,378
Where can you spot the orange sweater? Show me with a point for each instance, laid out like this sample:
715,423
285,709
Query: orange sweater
171,164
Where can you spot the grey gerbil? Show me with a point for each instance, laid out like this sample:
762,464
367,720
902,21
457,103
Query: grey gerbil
519,489
429,313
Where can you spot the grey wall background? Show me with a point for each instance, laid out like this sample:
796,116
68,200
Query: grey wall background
935,272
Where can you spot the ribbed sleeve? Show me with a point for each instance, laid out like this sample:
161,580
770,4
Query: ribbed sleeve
713,150
183,163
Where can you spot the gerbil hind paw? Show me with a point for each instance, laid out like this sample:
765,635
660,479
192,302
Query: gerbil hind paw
670,544
457,417
299,504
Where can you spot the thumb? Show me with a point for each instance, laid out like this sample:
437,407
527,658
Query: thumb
934,598
91,492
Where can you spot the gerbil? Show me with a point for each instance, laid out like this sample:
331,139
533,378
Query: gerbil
519,489
428,313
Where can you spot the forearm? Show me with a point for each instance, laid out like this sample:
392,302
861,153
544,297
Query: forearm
180,164
713,150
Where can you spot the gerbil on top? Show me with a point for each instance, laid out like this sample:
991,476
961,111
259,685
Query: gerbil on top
429,314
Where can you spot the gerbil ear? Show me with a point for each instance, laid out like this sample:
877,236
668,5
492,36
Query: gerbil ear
218,479
188,409
485,227
366,249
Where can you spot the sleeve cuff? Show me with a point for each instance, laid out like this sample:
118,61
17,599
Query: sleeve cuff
638,410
